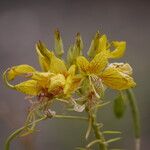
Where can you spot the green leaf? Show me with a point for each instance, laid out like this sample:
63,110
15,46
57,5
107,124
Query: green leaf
111,132
119,106
94,142
89,128
113,140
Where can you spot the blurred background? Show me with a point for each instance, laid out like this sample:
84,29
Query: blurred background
23,23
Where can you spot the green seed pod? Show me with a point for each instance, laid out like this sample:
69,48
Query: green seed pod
119,106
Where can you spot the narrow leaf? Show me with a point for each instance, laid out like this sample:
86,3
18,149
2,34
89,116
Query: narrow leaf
113,140
111,132
89,128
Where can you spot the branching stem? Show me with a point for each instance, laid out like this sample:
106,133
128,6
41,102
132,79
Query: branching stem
17,132
98,134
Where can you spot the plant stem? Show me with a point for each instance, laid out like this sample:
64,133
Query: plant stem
135,117
17,132
70,117
98,135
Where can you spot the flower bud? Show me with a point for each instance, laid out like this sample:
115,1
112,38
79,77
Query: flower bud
75,50
94,45
58,44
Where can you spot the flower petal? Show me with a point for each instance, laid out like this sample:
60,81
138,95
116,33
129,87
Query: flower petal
29,87
83,64
72,83
102,43
43,78
119,49
115,79
56,81
19,70
98,63
57,65
123,67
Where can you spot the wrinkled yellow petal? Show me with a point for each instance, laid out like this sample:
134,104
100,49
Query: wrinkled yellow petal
102,43
123,67
57,65
115,79
56,81
98,63
19,70
83,64
44,56
72,83
29,87
43,78
119,49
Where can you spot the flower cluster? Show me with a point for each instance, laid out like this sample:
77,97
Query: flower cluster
78,81
60,79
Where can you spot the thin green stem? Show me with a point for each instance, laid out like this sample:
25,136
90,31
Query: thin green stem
70,117
135,117
18,131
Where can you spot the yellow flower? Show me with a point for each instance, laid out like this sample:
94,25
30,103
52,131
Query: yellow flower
95,66
57,66
117,52
39,82
55,80
100,43
114,76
